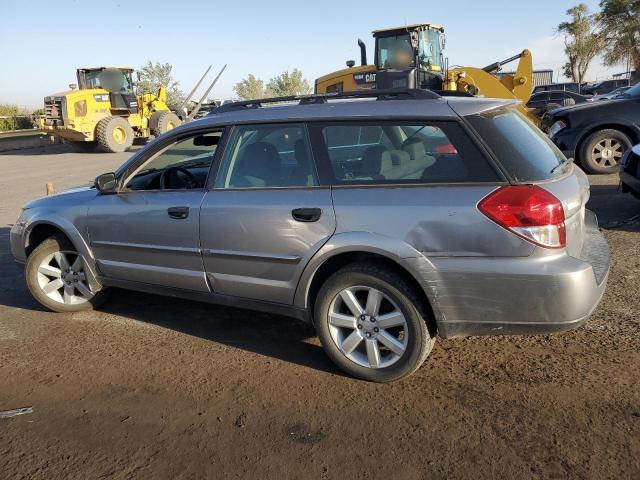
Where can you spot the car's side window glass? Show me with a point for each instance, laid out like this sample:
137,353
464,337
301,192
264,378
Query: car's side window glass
412,152
558,95
263,156
183,165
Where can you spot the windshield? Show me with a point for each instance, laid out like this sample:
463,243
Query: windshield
112,80
633,91
395,51
429,48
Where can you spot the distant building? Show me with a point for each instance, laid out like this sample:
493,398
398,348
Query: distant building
540,77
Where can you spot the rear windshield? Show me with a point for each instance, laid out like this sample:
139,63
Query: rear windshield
524,151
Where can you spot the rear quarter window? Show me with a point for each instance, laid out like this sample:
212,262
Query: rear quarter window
522,149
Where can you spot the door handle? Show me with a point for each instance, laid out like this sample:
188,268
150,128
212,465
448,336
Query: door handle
306,214
179,213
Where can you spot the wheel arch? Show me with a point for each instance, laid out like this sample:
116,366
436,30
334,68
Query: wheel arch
332,257
628,130
38,230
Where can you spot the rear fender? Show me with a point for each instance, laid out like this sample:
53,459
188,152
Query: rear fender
401,253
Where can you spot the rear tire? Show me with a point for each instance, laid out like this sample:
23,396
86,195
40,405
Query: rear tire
387,345
162,122
602,150
114,134
57,278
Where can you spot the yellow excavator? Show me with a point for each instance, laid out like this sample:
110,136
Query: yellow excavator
102,111
411,56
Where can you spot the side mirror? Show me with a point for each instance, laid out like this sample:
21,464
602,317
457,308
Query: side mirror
106,183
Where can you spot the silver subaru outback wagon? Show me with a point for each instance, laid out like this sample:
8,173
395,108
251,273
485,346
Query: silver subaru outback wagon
385,221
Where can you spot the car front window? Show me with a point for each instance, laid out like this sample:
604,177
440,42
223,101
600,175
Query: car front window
633,92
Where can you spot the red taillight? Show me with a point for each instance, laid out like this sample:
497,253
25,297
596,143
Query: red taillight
528,211
447,149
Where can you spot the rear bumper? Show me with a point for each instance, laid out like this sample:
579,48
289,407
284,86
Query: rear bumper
499,296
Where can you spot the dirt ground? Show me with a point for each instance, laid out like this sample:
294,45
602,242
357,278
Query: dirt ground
152,387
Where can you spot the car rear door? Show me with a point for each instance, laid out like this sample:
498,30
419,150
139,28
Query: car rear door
265,214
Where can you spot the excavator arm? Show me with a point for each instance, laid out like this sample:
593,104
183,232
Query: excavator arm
483,82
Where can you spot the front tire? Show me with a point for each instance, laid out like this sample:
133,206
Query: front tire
372,324
602,150
58,279
114,134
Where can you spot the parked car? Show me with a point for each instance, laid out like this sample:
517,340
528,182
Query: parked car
565,87
613,94
384,223
553,99
598,134
603,87
630,172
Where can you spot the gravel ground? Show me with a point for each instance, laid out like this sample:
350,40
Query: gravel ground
151,387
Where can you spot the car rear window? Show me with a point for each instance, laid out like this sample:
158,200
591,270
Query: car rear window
522,149
401,152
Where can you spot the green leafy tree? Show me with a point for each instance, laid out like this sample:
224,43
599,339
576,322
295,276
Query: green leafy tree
153,75
582,41
288,83
249,88
620,24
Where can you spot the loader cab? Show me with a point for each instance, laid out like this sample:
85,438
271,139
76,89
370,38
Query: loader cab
409,57
117,81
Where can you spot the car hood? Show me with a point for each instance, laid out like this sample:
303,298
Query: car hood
72,196
588,107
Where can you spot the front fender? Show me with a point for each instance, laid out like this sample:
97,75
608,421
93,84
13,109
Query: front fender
67,228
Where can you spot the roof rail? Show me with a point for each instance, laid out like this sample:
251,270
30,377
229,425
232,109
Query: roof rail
393,94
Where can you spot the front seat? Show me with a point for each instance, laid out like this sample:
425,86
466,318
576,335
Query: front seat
301,173
372,162
259,165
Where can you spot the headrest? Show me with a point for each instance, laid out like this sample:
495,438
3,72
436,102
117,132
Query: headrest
414,147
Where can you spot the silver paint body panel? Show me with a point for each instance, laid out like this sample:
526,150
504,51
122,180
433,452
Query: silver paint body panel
245,245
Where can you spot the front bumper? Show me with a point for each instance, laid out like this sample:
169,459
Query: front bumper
16,241
498,296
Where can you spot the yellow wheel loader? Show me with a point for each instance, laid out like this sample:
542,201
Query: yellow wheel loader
411,56
103,111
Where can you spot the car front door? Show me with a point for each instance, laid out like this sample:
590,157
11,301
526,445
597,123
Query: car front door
148,232
265,216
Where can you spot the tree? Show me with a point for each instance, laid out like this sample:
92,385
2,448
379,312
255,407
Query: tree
620,24
288,84
249,88
582,41
153,75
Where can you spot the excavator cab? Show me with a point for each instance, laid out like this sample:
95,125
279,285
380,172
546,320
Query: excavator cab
115,80
409,57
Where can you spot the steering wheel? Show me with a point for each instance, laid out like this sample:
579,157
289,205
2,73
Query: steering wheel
167,173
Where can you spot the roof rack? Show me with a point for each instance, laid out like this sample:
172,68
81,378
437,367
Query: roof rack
394,94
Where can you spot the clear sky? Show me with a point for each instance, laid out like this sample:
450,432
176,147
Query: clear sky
43,42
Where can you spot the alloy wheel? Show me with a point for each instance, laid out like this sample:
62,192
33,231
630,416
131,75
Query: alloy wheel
62,278
368,327
607,152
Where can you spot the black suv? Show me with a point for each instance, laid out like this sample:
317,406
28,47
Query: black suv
598,134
